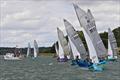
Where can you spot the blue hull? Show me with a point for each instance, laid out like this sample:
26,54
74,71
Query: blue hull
90,66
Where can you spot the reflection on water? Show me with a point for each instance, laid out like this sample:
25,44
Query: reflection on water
47,68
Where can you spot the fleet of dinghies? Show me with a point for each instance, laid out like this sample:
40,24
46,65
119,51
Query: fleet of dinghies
17,53
97,54
71,47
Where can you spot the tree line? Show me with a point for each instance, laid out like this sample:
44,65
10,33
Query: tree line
104,37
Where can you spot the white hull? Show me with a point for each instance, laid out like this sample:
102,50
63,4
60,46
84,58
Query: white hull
10,56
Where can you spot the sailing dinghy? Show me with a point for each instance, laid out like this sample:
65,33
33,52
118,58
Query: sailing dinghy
98,50
63,50
87,21
112,46
36,49
75,39
28,50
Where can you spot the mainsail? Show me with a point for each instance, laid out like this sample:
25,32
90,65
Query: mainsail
110,51
70,49
92,52
87,21
74,50
63,42
28,50
74,37
60,51
112,43
36,49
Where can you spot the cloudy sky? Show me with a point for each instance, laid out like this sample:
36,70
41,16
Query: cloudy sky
22,21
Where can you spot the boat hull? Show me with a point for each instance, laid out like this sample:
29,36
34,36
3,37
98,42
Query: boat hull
12,58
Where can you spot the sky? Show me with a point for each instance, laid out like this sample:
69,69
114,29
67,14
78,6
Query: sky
23,21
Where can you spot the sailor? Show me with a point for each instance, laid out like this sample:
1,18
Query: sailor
77,57
101,59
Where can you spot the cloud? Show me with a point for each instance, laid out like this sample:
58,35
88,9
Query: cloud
22,21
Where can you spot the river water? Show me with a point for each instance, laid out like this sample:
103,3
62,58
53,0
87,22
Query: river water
47,68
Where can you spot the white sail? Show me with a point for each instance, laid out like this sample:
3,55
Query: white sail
74,37
63,42
70,49
87,21
92,52
112,42
74,50
61,52
36,50
28,50
110,52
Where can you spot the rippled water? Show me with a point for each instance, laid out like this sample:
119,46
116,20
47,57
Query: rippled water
47,68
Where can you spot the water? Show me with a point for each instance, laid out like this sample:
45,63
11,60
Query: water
47,68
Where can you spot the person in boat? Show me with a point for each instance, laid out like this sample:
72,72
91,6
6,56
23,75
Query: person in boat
101,59
83,63
74,62
65,57
80,62
77,58
88,61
